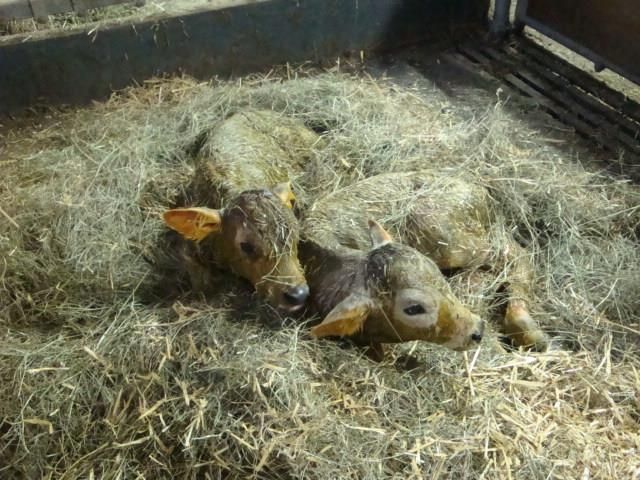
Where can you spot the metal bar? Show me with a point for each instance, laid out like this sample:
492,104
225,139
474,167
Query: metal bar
521,10
599,31
598,61
500,23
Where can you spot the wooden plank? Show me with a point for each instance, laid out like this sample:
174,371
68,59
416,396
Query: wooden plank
557,111
629,162
584,105
577,94
592,85
609,134
14,10
582,120
470,68
610,29
561,107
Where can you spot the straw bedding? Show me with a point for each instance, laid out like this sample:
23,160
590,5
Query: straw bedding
99,378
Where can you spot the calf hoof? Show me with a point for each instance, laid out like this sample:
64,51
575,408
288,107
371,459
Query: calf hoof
529,341
522,330
536,341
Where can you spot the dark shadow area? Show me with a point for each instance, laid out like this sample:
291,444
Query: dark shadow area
75,68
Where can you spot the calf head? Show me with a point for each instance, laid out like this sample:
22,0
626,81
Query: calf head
256,236
406,297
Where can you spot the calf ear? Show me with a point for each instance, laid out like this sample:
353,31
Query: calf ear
283,192
346,318
194,223
379,236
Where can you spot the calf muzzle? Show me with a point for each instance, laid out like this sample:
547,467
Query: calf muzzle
296,295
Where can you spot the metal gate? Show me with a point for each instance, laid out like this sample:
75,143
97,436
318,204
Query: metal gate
606,32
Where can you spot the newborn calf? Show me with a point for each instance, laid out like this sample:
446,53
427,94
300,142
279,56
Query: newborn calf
255,236
230,223
450,220
390,294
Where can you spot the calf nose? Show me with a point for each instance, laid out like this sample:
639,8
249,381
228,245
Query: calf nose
477,335
297,294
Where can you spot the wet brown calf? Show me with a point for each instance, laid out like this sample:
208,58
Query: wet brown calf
255,235
450,220
252,232
390,294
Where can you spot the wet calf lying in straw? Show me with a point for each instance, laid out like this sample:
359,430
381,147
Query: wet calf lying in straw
253,232
388,294
449,220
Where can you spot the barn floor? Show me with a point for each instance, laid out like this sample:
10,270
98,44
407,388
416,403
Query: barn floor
533,79
99,381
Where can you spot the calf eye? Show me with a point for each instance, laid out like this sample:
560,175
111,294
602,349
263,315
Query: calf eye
247,248
415,309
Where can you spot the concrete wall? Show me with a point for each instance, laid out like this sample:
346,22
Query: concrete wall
73,67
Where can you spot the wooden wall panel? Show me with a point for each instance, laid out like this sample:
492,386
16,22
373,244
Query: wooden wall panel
73,67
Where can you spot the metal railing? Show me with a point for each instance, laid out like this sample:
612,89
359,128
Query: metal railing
605,32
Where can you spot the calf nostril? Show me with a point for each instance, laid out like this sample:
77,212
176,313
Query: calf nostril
297,295
476,337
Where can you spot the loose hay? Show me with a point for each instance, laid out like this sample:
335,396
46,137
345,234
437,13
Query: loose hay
100,382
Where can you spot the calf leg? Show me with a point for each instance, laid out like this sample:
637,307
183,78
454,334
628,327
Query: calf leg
517,324
521,329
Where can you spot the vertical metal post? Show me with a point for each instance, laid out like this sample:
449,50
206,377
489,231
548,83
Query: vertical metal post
521,13
500,23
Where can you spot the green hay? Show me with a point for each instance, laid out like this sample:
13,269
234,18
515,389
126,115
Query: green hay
98,383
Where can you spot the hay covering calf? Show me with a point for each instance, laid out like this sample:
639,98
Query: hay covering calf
450,220
251,149
235,221
389,294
